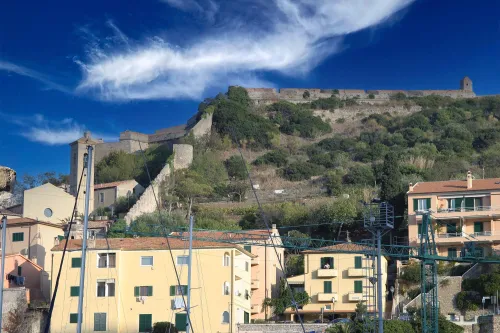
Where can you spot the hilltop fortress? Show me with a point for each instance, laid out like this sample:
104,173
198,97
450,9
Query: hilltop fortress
200,125
265,96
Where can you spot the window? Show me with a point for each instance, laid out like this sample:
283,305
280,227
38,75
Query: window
246,317
478,227
106,260
420,230
358,287
147,261
106,288
451,228
246,266
74,291
328,307
358,262
100,321
226,289
47,212
101,197
145,322
478,203
76,262
248,248
183,260
178,290
455,204
452,252
421,204
326,263
225,317
143,291
19,270
226,259
73,318
327,287
180,321
18,237
247,294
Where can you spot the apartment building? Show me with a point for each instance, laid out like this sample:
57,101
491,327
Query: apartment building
462,211
336,282
131,284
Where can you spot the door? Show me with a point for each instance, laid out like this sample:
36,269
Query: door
145,322
180,321
100,322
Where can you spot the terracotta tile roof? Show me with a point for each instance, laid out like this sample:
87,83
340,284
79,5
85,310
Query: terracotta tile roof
25,220
250,234
456,186
144,243
113,184
344,246
99,224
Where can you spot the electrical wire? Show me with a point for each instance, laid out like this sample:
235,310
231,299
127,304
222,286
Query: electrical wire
56,287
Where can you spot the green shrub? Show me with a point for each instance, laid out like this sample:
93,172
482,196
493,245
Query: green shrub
467,301
360,175
306,94
236,167
398,326
164,326
411,273
276,157
301,171
399,96
340,120
239,95
123,204
333,183
371,96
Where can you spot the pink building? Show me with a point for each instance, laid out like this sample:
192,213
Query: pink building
20,272
462,211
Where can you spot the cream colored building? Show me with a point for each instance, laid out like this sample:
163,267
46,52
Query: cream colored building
130,284
106,195
48,203
462,211
336,282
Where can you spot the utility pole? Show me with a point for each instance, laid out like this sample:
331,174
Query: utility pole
84,240
188,307
2,270
379,282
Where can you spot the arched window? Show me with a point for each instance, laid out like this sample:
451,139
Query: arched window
225,317
226,290
226,259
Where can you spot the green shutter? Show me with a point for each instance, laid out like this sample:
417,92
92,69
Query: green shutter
150,290
60,238
137,291
73,318
18,237
322,262
246,317
100,321
248,248
76,262
420,228
469,204
19,270
415,205
358,287
180,321
184,290
357,262
458,204
74,291
478,227
145,322
452,252
451,228
428,203
327,287
172,290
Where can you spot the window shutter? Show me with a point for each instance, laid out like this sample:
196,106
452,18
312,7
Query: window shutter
327,287
420,228
428,203
357,262
19,270
358,287
469,204
248,248
172,290
185,290
136,292
180,321
458,203
333,262
150,290
478,226
415,205
322,262
74,291
73,318
76,262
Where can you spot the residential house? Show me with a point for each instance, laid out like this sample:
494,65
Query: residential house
107,194
20,272
131,284
336,282
48,203
462,211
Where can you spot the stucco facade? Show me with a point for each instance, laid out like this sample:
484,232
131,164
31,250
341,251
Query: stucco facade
462,210
145,289
48,203
19,265
106,195
337,289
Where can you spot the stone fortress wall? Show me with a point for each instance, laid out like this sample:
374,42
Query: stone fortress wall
265,96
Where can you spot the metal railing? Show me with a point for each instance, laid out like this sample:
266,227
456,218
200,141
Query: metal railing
468,209
450,235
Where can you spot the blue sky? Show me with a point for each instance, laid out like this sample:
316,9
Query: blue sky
109,66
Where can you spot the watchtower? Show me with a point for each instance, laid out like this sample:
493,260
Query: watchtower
466,84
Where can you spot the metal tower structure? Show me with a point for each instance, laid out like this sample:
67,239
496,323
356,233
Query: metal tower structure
379,220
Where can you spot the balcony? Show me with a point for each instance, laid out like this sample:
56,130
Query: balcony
255,284
355,272
478,211
255,261
254,308
327,273
327,297
355,297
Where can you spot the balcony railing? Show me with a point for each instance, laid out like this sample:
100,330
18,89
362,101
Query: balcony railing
327,273
355,297
468,209
451,235
483,233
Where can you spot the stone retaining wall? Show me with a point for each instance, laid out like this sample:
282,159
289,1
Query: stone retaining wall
281,328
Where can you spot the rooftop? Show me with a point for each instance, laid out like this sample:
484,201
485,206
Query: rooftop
456,186
25,220
113,184
339,247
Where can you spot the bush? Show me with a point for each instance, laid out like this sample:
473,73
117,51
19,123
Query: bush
164,326
333,183
276,157
306,94
301,171
398,326
340,120
411,273
327,103
123,204
467,301
399,96
236,167
360,175
371,96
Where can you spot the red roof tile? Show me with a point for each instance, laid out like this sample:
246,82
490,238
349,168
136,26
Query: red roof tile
456,186
25,220
113,184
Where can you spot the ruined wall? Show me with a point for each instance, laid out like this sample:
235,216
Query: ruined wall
128,146
357,112
147,203
202,127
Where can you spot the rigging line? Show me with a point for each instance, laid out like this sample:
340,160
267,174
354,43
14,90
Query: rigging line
204,293
269,231
73,215
168,241
177,287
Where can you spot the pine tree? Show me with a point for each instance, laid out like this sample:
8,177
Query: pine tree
391,186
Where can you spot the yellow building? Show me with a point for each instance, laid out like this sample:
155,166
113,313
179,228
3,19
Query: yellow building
464,210
336,282
106,195
130,284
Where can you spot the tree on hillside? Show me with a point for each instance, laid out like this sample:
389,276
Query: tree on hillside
30,181
284,300
239,95
190,186
391,186
236,167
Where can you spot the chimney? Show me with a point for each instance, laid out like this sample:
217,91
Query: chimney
56,241
274,230
469,180
91,242
410,187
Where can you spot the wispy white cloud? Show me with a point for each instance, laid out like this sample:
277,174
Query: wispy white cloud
297,36
38,128
24,71
207,8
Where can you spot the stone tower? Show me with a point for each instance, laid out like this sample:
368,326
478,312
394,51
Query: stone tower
77,161
466,84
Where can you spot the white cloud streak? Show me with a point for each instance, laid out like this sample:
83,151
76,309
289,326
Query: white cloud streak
37,128
300,35
23,71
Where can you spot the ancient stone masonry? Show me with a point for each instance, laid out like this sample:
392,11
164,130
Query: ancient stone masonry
265,96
